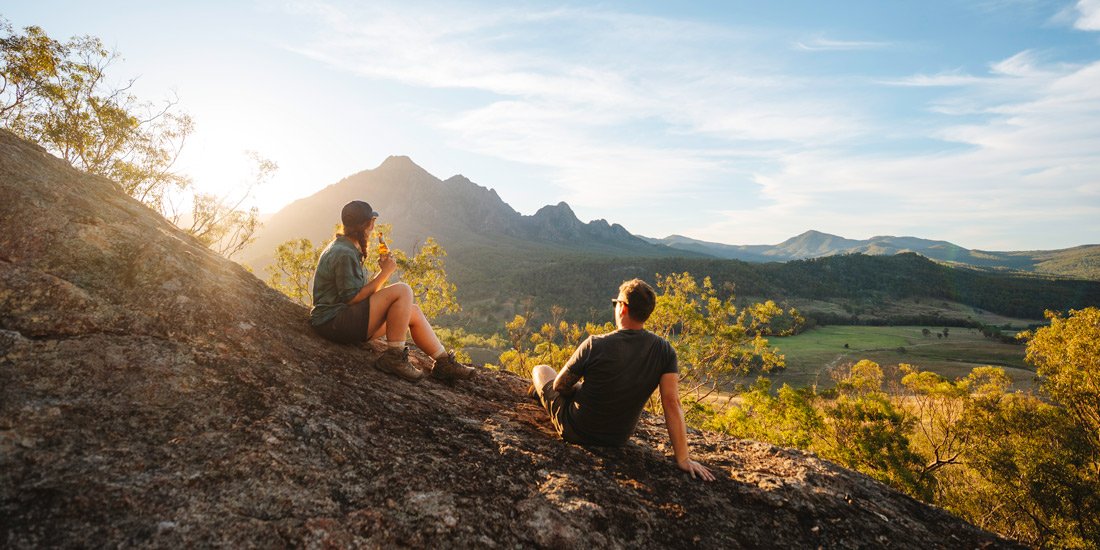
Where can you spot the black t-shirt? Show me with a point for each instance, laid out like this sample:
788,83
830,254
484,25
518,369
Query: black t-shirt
620,370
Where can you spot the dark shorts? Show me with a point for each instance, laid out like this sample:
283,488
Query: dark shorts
557,405
349,326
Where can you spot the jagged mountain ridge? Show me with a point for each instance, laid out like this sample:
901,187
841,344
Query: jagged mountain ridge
457,212
473,222
155,394
1078,262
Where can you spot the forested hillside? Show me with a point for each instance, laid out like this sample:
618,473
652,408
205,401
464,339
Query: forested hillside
582,285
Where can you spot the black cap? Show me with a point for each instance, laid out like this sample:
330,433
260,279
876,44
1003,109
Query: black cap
356,213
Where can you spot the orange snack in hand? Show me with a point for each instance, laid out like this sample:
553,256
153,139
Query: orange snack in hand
383,250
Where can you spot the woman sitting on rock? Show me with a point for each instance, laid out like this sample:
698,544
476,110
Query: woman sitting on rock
347,308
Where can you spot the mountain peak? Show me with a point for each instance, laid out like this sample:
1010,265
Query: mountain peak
397,161
401,164
815,234
557,211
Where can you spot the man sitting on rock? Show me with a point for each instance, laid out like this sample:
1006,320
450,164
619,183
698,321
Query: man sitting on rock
620,371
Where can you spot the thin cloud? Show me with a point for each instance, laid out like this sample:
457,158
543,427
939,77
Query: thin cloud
948,79
1088,15
618,108
825,44
559,109
1031,166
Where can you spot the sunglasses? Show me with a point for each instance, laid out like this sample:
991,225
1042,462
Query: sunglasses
618,301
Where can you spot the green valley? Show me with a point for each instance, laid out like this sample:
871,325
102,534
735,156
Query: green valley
811,354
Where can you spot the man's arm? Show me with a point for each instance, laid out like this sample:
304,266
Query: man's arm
566,381
573,370
677,431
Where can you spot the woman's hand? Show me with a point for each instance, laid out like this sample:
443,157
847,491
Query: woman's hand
387,265
695,469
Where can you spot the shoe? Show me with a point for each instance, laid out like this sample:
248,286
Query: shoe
396,361
446,368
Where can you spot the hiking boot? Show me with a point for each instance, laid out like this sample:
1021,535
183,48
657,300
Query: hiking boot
446,368
396,361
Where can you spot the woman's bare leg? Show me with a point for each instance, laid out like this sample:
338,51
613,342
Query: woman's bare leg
392,312
392,306
378,333
423,335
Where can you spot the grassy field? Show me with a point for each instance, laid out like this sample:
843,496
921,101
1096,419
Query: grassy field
811,354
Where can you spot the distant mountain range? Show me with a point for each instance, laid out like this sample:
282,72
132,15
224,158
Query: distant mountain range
472,222
1081,262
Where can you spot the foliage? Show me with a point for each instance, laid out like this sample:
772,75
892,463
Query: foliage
768,319
882,286
458,339
296,260
788,417
1067,355
221,223
713,339
552,344
867,431
937,406
424,272
1019,473
58,95
1005,461
292,270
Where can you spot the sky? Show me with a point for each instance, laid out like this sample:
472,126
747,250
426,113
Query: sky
975,122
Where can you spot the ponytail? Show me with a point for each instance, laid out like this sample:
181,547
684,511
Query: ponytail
358,235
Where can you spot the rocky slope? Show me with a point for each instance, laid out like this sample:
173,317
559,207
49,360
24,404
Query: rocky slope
154,394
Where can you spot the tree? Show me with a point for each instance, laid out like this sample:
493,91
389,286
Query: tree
1006,461
220,223
424,272
866,431
292,271
1026,475
552,344
1067,357
56,94
788,417
713,339
937,406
